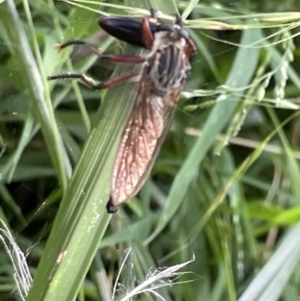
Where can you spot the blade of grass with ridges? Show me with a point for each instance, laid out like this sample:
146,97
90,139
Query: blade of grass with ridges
82,219
42,107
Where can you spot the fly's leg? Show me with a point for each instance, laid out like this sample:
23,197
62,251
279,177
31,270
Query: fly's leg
130,59
111,82
122,58
191,47
147,33
87,81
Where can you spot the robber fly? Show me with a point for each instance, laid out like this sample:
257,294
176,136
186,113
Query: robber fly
158,91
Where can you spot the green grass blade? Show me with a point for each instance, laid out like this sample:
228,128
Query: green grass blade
270,281
82,219
42,108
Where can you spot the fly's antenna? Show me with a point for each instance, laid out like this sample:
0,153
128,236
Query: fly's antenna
178,20
153,15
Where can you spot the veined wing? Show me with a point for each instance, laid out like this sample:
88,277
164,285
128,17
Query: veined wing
145,131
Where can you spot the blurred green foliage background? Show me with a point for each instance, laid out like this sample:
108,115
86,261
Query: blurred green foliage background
225,189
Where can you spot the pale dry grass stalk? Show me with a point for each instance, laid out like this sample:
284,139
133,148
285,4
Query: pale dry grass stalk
22,274
159,278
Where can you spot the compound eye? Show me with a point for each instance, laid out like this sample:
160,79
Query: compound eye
166,27
184,34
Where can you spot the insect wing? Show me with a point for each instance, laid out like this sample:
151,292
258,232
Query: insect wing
127,30
145,131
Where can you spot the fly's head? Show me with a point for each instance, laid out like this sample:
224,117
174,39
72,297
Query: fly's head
175,33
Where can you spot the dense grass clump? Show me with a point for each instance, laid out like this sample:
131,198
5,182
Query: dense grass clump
219,214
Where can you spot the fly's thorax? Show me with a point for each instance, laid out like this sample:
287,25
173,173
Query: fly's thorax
167,64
